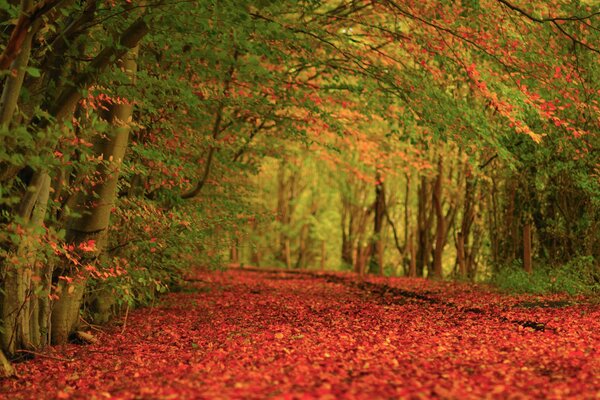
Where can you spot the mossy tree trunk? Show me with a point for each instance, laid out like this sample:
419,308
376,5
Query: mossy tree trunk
21,310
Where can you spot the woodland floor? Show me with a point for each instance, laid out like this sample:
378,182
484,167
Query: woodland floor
256,335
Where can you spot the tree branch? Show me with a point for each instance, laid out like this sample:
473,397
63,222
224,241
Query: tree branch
19,32
69,97
542,20
555,21
215,133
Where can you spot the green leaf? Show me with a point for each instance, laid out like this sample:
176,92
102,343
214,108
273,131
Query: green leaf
33,72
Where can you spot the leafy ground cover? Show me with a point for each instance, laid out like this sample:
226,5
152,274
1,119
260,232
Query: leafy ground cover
273,334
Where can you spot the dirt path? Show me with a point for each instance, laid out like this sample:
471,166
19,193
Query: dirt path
245,334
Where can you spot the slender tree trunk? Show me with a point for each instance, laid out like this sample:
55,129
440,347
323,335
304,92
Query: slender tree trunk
461,258
407,217
527,263
512,226
323,254
358,258
376,252
234,257
19,290
412,270
401,248
287,255
14,81
362,256
492,221
347,238
283,216
302,247
424,222
29,17
12,88
95,209
39,309
440,232
351,226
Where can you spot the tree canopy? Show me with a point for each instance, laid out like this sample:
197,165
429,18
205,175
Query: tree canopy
426,138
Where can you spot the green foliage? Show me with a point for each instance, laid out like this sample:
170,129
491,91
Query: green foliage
341,92
579,276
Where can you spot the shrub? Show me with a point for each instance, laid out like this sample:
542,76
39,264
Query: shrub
579,276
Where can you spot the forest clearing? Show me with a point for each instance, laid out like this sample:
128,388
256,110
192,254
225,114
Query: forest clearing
274,334
299,199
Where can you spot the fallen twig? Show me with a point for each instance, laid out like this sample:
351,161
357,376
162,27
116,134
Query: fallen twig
125,319
91,326
35,353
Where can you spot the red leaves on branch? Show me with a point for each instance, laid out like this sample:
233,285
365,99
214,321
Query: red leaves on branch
296,335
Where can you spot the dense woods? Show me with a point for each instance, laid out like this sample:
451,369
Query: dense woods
139,140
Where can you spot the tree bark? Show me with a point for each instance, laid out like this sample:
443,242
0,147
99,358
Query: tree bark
424,222
527,262
323,254
29,16
440,232
14,81
376,252
95,208
6,369
12,88
234,257
412,269
39,297
19,303
283,216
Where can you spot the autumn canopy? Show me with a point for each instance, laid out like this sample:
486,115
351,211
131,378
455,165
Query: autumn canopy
146,144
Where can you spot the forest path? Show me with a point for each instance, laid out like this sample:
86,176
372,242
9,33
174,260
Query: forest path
274,334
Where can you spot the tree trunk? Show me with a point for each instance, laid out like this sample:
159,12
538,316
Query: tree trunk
282,215
234,257
14,82
348,230
460,255
412,270
6,369
40,296
347,239
19,291
362,256
95,209
424,222
12,89
287,255
376,252
302,247
440,232
323,255
527,263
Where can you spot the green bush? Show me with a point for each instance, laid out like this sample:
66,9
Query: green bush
579,276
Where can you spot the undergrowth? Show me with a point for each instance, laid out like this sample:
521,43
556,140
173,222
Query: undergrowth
580,276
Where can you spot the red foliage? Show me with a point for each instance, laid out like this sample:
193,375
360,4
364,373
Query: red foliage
283,335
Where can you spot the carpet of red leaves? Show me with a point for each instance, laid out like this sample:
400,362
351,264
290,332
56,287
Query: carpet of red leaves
257,335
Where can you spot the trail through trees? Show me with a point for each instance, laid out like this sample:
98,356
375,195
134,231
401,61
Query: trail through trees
273,334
